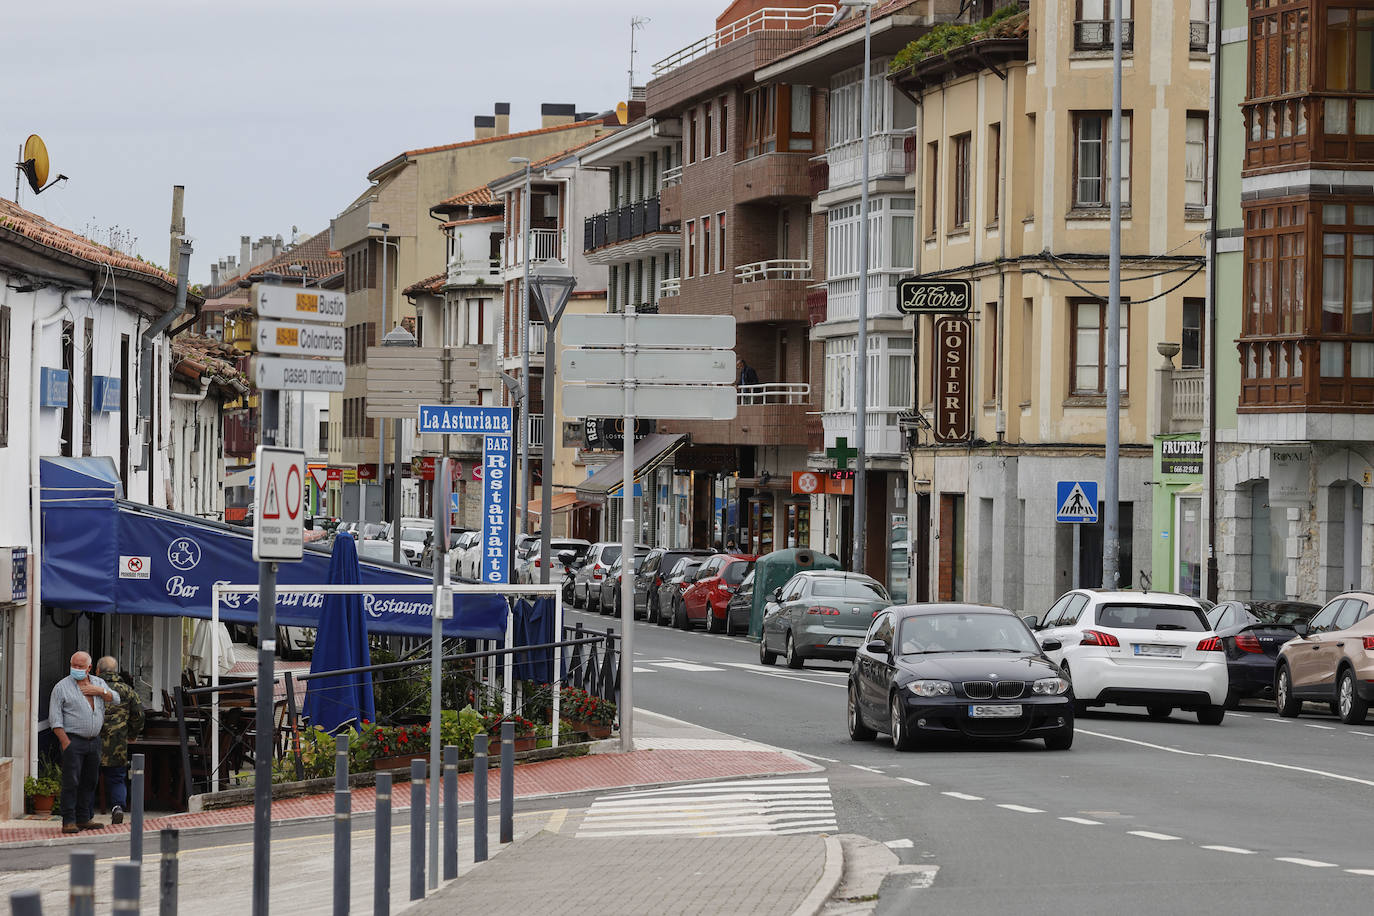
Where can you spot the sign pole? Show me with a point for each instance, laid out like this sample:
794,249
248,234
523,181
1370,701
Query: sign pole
627,544
267,646
442,485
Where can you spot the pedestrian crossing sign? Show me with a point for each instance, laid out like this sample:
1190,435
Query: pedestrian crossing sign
1077,501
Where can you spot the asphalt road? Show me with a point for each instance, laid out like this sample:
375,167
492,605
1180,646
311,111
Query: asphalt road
1256,815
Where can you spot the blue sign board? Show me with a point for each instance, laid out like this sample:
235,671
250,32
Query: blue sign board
52,391
464,418
1076,501
105,391
453,503
496,472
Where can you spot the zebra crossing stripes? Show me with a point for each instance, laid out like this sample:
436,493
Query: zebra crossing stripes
740,807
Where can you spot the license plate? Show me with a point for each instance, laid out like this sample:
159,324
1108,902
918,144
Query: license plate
1160,651
846,641
995,712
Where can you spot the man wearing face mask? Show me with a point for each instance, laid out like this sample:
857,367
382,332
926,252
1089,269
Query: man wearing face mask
76,713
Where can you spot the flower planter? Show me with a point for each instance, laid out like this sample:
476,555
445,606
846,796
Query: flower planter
42,805
399,762
597,731
525,743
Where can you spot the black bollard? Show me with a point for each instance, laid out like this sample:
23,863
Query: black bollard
125,900
342,813
136,808
81,894
450,812
417,829
26,903
381,870
507,782
167,887
479,798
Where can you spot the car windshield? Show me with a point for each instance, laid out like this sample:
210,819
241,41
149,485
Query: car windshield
609,554
1283,613
856,589
1151,617
964,632
734,573
415,534
748,583
688,568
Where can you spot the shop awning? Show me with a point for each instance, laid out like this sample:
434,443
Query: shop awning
561,502
650,452
107,555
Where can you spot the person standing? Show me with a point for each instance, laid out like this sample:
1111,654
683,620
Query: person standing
76,712
745,373
123,722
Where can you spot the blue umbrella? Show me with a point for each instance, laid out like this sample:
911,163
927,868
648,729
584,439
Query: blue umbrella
341,643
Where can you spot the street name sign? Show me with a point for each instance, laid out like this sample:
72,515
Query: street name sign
933,297
279,523
664,402
1076,501
677,331
271,301
282,373
300,339
464,418
649,365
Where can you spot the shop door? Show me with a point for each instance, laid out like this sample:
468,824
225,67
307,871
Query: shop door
1188,545
921,543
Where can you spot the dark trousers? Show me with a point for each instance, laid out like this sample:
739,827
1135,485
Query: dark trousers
117,785
80,772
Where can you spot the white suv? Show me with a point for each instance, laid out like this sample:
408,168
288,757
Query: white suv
1137,649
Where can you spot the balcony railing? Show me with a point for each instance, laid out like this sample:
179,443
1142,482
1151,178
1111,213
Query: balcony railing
886,157
1097,34
670,177
1197,35
819,173
909,147
240,432
545,245
669,286
775,393
774,270
817,301
459,267
538,338
535,430
766,19
884,435
621,224
1189,393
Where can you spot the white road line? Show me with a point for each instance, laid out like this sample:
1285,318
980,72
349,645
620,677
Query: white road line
1287,766
1238,715
1284,721
962,796
868,769
639,670
1367,872
687,666
788,677
815,757
1158,747
1082,820
1149,835
1330,728
1310,863
914,782
1233,849
1023,809
899,844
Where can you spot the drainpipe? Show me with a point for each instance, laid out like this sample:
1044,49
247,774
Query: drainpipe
1004,229
191,395
145,362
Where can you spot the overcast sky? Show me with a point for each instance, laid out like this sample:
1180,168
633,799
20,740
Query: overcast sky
272,113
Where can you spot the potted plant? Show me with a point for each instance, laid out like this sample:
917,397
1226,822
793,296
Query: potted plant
42,790
587,713
525,733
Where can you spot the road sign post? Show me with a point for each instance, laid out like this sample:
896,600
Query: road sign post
1076,504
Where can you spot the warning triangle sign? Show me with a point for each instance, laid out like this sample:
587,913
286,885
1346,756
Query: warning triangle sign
271,505
1077,507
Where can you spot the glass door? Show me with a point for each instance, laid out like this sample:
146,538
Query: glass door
1188,545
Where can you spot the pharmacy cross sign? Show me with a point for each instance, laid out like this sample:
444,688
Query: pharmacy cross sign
841,452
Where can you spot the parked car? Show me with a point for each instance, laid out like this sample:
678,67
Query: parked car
651,574
929,670
820,614
458,547
676,582
608,601
295,643
1151,649
415,534
374,549
740,606
1251,634
1332,662
705,599
774,569
528,567
600,557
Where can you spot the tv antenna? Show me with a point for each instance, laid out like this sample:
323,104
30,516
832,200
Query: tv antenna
33,165
636,23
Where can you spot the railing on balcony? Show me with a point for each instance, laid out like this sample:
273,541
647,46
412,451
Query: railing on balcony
545,245
768,18
669,286
240,432
538,338
535,430
774,270
621,224
670,177
886,157
775,393
884,435
1197,35
1098,35
459,266
1189,394
909,147
817,305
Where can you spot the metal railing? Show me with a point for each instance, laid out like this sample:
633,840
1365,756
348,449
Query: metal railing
459,266
775,393
1097,35
538,338
1189,394
1197,35
545,245
535,431
766,19
670,177
669,286
778,269
621,224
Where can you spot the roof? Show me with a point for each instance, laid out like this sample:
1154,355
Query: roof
468,222
650,451
946,607
392,163
313,254
18,221
203,358
545,162
479,196
432,284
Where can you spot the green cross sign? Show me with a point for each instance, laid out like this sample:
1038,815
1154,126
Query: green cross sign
841,452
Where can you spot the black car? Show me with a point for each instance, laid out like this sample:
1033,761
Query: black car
740,608
1251,634
675,582
928,670
651,576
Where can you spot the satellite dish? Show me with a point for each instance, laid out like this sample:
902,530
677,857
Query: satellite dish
35,162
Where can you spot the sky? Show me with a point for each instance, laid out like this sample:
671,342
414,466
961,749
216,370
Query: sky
271,114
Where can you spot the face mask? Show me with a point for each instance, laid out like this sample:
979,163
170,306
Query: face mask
79,674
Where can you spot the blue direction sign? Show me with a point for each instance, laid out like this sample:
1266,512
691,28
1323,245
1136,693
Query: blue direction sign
1076,501
464,418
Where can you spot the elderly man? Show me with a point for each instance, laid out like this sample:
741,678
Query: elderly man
123,722
76,713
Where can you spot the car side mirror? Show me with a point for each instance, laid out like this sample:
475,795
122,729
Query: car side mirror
876,647
1032,621
1302,630
1051,644
777,593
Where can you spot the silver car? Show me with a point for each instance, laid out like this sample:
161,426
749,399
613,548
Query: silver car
820,614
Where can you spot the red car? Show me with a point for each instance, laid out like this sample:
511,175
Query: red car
705,599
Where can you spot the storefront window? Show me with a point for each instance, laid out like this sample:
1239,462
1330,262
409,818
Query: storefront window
1188,545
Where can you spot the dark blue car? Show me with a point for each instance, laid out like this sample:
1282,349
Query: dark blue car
1251,634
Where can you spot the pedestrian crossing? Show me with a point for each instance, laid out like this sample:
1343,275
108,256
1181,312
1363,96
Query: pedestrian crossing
656,665
739,807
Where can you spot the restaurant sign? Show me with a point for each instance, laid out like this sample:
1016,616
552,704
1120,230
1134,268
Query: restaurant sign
953,380
933,297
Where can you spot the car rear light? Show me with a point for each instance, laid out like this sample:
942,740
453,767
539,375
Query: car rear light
1210,644
1097,638
823,611
1369,643
1247,642
658,581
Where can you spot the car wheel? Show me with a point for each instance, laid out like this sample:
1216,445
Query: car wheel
901,740
1232,699
576,602
766,655
858,730
1353,708
711,625
793,659
1285,703
1060,742
1079,706
1159,713
1211,715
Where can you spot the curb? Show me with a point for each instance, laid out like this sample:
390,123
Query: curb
828,882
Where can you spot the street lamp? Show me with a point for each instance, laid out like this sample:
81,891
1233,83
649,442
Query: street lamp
396,337
525,341
552,284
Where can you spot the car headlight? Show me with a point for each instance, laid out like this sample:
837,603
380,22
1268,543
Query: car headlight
1050,686
931,688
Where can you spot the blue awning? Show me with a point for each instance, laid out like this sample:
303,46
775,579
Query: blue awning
108,555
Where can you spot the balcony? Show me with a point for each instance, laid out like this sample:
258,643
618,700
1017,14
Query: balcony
535,430
886,159
670,200
842,298
773,176
1098,34
670,178
816,305
772,291
771,423
766,19
538,338
775,393
1197,36
545,245
819,172
473,272
773,270
627,232
909,148
884,436
669,286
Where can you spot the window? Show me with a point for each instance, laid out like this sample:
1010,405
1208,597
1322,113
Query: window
839,373
761,121
706,130
706,250
903,232
1193,356
799,131
1092,158
963,152
1031,149
1275,293
88,385
324,435
933,186
724,130
4,376
1279,53
690,141
1194,160
1089,345
1350,49
1347,269
357,338
477,332
1092,28
994,173
691,234
720,241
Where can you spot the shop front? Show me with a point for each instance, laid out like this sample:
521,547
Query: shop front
1176,560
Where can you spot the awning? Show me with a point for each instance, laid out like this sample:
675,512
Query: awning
650,452
561,502
108,555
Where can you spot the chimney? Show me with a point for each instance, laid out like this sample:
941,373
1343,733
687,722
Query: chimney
178,221
553,114
245,249
214,275
276,246
502,118
483,126
233,266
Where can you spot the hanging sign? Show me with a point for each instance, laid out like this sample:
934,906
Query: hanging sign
953,381
934,297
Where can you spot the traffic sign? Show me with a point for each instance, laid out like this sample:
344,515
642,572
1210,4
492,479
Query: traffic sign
666,402
283,373
649,365
1077,501
300,339
711,331
464,418
279,524
270,301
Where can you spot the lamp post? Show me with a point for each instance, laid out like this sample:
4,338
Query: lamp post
525,342
552,284
396,337
384,229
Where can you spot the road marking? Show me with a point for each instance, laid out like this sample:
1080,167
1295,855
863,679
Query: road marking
899,844
1272,719
922,876
1149,835
1234,849
1023,809
1368,872
639,670
686,666
1330,728
1310,863
1288,766
962,796
868,769
914,782
1082,820
734,808
1158,747
788,677
815,757
1238,715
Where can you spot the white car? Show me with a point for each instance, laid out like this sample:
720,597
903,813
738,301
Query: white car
1137,649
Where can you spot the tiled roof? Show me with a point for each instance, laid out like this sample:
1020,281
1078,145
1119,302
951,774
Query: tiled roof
432,284
16,219
479,196
390,163
468,222
196,358
313,254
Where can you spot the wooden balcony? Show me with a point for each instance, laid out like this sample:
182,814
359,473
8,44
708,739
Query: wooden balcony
773,176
